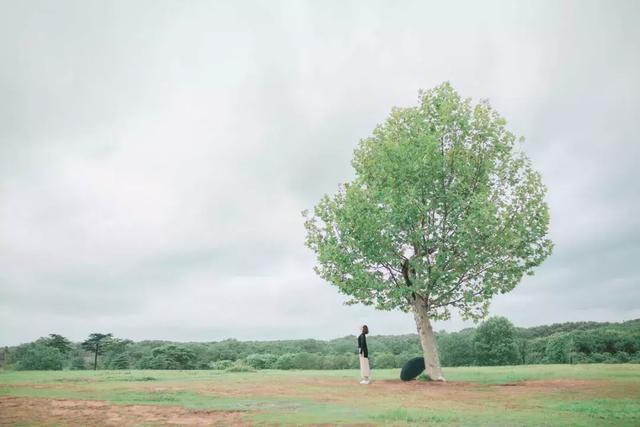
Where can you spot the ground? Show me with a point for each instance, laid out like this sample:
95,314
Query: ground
562,395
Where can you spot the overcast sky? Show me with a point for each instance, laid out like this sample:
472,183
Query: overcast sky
155,156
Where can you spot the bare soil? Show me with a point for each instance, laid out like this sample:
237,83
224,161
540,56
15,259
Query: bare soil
67,412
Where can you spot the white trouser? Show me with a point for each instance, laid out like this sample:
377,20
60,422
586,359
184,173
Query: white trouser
364,366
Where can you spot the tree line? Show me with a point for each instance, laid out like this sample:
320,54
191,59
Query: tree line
494,342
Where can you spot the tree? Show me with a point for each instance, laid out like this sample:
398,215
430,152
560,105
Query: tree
170,356
59,342
95,344
521,343
285,361
456,349
261,361
444,212
495,343
560,349
305,361
40,357
78,359
383,361
113,349
4,356
221,364
121,361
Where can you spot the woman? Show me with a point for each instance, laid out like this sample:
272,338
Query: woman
363,352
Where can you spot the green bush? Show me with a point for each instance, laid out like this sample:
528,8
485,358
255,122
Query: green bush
457,349
221,364
77,359
306,361
261,361
122,361
285,361
424,377
383,361
600,358
40,357
240,366
340,361
622,357
169,357
560,349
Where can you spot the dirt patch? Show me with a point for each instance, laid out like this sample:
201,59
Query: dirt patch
592,388
473,396
552,386
557,384
416,393
14,410
422,394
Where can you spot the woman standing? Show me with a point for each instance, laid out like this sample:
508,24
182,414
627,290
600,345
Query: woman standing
363,352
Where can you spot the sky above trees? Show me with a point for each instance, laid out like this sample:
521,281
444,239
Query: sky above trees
155,156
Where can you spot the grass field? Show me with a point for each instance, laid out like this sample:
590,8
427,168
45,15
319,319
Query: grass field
589,395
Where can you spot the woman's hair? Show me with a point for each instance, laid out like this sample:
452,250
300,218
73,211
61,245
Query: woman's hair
365,329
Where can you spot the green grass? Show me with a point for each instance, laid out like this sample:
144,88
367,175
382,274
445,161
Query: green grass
609,394
409,416
604,409
510,374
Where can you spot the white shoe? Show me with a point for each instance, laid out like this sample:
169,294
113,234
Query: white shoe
364,382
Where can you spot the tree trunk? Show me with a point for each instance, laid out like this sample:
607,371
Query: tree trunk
428,341
95,360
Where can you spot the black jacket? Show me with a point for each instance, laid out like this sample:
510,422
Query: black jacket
362,345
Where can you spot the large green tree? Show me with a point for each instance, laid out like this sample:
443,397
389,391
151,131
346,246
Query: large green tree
456,348
96,344
495,343
444,212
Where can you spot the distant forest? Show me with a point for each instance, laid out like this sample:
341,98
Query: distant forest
494,342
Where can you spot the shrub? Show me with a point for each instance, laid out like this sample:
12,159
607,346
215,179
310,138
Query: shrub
221,364
78,361
536,349
560,349
424,377
240,366
306,361
383,361
169,357
622,357
600,357
122,361
40,357
285,361
261,361
456,349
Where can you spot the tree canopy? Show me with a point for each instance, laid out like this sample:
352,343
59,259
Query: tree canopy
495,343
59,342
444,211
